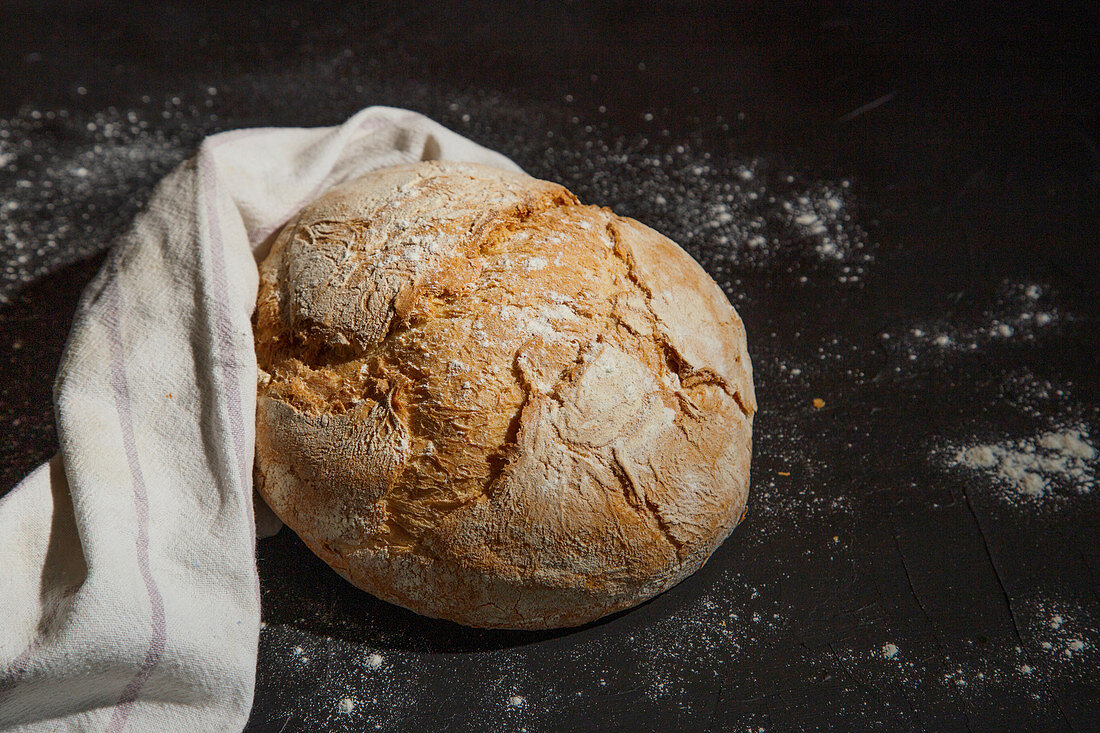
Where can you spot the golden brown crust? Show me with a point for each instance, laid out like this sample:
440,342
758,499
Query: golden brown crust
486,402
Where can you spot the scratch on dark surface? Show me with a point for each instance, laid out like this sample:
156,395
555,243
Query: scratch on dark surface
842,671
1008,599
861,609
864,109
992,563
1093,152
913,589
913,709
1062,710
960,703
446,702
1086,563
718,697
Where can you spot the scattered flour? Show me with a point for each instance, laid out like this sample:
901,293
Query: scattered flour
1038,397
1032,466
347,705
1020,313
516,701
374,661
889,650
1066,633
69,181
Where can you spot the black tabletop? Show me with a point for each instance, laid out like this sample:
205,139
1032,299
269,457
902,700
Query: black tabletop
903,203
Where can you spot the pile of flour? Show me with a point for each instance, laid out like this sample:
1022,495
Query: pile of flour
1031,467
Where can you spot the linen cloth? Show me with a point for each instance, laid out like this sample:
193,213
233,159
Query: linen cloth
129,597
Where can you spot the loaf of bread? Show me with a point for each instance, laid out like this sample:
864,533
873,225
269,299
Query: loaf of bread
486,402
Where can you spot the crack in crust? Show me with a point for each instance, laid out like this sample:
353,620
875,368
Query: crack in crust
689,376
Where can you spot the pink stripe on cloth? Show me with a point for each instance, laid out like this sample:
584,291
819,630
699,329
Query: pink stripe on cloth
224,344
223,325
111,304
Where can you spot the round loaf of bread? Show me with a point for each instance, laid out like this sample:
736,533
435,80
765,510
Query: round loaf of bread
485,402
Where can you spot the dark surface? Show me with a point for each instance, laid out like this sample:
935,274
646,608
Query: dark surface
975,177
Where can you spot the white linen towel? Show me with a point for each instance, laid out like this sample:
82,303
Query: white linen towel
129,597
